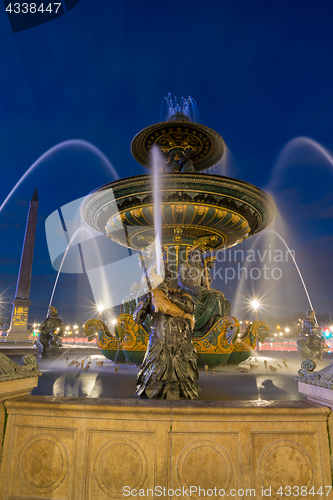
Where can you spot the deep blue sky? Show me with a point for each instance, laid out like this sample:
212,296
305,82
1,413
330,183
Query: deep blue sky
260,72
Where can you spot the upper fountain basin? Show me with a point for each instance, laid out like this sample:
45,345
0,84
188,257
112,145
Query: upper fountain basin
221,210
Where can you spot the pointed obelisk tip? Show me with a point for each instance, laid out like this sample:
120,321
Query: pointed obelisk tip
35,196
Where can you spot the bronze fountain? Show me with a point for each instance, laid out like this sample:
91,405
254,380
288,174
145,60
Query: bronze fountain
201,213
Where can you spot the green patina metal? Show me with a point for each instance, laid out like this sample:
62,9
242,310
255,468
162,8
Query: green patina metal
197,209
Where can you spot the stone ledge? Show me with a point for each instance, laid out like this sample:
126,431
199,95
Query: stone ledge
17,387
92,448
137,408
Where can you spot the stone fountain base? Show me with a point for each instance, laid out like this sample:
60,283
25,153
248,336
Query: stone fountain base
101,449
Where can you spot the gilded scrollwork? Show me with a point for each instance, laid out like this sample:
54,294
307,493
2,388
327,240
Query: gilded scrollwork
135,337
258,329
105,340
221,337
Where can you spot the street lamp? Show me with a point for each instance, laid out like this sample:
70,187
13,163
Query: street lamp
255,306
100,309
287,330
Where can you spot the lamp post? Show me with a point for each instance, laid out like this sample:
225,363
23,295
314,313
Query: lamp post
255,306
287,330
100,309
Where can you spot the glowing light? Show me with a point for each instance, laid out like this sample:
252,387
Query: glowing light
114,321
67,327
76,327
287,330
100,308
35,324
255,304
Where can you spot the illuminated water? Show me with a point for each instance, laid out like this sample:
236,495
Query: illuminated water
72,143
294,261
186,106
293,156
70,244
157,162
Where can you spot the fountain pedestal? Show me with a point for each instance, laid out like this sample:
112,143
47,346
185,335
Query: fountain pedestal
93,448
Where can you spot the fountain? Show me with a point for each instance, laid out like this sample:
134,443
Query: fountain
197,210
267,447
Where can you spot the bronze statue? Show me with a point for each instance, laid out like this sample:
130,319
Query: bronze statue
311,343
49,342
210,304
169,369
179,160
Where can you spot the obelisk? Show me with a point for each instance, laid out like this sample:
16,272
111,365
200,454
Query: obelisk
18,331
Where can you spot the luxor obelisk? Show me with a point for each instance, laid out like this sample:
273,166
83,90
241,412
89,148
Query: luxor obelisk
18,331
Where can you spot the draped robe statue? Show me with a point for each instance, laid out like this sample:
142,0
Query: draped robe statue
169,369
210,304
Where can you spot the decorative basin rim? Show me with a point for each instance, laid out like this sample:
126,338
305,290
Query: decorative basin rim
187,189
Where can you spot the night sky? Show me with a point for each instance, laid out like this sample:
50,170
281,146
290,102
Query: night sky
261,74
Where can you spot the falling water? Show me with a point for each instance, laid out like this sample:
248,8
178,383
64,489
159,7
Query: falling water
241,285
247,346
70,243
294,261
157,162
59,147
59,271
294,154
224,166
291,147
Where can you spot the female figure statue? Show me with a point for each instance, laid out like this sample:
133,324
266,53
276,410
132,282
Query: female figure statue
210,304
169,369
